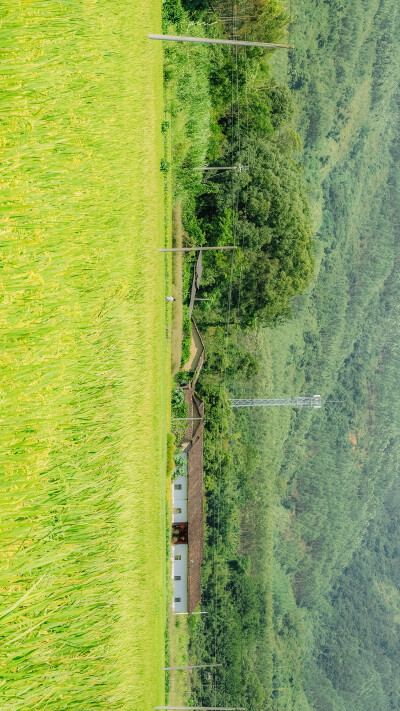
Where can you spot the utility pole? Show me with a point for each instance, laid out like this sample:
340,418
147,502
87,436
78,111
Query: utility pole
218,167
314,401
231,17
195,249
193,666
210,40
203,708
192,613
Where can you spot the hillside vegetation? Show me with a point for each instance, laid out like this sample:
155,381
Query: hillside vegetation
226,111
302,552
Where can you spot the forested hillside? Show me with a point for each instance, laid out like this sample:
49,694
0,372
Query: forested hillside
335,466
306,549
357,665
301,562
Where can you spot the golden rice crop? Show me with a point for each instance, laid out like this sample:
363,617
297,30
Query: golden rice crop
82,356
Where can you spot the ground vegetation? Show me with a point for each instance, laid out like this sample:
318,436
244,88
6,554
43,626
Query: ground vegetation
301,552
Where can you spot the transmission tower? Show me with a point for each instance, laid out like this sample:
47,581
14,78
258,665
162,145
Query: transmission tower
314,401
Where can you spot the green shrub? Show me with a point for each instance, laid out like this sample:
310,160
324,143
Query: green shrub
184,377
170,452
187,335
164,165
173,13
180,464
178,398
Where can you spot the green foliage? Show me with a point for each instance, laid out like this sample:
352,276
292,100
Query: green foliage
187,335
274,226
359,641
274,229
275,263
243,596
173,13
234,358
170,452
180,464
188,101
177,399
293,495
282,105
183,377
334,467
179,408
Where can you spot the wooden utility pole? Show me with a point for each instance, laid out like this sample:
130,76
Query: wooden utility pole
233,18
203,708
193,666
210,40
192,613
222,167
195,249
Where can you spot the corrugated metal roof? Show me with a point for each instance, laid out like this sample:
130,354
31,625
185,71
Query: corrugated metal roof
194,436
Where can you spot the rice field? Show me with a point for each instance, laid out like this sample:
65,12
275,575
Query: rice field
82,356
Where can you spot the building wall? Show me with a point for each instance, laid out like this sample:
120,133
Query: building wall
179,499
179,555
179,488
179,552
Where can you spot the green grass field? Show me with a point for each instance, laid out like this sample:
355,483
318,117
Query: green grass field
83,356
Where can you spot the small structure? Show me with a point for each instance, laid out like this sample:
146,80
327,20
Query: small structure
187,501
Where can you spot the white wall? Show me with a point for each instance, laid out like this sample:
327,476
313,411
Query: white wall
180,481
179,499
180,568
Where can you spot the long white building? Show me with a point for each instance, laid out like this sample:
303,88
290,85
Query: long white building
179,550
187,514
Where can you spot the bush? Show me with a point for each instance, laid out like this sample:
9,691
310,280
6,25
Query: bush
164,165
184,377
170,452
173,13
180,464
178,398
187,335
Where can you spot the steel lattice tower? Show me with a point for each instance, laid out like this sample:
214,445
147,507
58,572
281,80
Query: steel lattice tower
314,401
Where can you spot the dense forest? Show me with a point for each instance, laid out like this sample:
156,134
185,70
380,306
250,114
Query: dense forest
302,558
243,117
